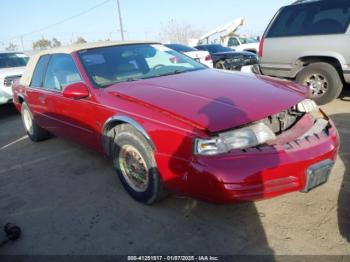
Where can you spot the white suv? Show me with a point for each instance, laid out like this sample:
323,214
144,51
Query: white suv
12,65
309,42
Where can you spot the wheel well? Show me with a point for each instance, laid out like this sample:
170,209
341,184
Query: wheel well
20,99
307,60
109,133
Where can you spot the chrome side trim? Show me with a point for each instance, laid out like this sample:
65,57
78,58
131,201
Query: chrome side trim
122,119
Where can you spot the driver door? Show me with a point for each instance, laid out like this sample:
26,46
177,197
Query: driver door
73,119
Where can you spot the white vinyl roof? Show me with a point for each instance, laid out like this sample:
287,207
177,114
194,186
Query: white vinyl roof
27,75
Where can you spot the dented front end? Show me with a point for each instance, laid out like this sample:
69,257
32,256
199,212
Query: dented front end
303,139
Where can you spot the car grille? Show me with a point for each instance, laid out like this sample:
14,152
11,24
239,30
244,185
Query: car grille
8,81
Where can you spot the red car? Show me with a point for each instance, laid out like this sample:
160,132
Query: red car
178,126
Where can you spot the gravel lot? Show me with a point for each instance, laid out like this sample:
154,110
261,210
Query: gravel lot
69,201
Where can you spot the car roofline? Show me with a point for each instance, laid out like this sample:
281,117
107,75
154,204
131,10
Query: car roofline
27,75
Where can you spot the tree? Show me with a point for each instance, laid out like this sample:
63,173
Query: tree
80,40
55,42
175,32
41,44
11,47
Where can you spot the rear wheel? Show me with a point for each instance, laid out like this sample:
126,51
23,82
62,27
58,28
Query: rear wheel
135,165
34,131
323,80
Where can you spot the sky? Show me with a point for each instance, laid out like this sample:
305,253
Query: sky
142,19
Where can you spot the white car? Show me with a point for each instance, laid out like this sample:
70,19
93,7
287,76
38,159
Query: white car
201,56
243,44
12,65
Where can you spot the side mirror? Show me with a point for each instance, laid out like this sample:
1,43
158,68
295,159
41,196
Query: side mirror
76,91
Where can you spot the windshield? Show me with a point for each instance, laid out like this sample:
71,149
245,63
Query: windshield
8,60
110,65
248,40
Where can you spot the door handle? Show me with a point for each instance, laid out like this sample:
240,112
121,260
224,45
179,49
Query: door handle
42,99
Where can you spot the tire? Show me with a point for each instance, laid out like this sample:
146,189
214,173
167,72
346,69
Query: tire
129,144
324,78
34,131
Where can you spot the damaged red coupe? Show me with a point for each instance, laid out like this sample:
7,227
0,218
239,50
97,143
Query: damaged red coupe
170,124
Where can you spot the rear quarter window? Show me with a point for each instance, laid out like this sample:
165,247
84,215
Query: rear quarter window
38,74
317,18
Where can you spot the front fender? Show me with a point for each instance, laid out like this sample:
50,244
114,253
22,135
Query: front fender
108,133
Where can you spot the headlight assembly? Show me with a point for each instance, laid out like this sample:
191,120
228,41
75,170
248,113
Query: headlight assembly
307,106
241,138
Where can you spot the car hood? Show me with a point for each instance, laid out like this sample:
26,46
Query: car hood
210,99
11,71
251,45
233,54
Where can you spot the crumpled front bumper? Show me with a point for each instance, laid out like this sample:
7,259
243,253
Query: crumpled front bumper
268,171
256,173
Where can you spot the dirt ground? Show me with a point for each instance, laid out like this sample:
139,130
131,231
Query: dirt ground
69,201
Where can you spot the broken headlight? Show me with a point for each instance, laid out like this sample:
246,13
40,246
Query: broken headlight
241,138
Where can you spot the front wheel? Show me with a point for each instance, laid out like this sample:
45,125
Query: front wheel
135,165
323,80
34,131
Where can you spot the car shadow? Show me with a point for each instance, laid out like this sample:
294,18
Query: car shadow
243,230
345,94
178,225
342,122
7,110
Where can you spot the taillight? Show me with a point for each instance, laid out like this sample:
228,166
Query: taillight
261,47
208,57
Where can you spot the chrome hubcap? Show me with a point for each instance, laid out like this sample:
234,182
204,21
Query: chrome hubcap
317,83
28,123
133,168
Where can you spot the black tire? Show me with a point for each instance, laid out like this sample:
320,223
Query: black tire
331,76
36,133
127,136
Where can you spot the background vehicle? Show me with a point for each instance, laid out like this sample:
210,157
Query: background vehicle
239,43
309,41
12,65
226,58
226,36
199,55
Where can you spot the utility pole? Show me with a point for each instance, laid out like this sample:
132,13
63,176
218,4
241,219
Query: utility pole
22,43
120,21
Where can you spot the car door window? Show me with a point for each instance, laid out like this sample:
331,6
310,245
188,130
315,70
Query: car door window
328,17
233,42
61,72
39,71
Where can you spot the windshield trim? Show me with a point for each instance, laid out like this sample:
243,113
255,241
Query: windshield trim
96,86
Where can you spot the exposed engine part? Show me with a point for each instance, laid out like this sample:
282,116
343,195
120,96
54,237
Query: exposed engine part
283,120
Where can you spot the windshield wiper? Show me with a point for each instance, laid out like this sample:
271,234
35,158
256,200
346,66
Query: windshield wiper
176,72
130,79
